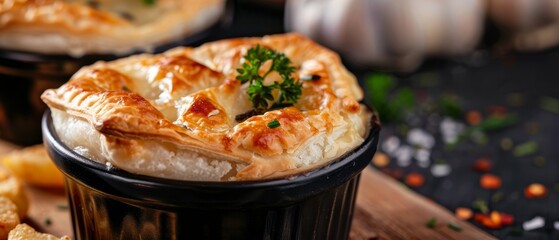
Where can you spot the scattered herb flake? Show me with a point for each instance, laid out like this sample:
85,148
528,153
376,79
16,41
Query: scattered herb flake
274,123
550,104
516,232
391,105
431,223
525,149
62,207
497,197
149,2
493,123
427,79
440,161
481,206
451,106
48,221
454,226
125,88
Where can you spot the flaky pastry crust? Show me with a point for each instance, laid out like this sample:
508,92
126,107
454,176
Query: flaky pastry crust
80,27
187,100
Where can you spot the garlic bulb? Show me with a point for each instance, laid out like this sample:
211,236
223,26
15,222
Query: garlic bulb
532,24
390,33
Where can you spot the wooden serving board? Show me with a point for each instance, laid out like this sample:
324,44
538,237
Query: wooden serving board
384,210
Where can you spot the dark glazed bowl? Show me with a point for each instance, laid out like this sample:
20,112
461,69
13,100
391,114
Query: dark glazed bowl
108,203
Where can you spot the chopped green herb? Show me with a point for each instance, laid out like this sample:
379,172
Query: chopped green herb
48,222
125,88
454,226
310,78
479,137
497,197
148,2
288,91
62,207
431,223
491,123
274,124
481,206
427,79
516,232
525,149
451,106
440,161
550,104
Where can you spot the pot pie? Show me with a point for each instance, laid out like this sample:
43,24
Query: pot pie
79,27
175,115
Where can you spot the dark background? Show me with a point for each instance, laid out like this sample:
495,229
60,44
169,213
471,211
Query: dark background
486,77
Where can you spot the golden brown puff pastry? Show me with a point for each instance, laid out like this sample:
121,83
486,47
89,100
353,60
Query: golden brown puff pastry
173,115
79,27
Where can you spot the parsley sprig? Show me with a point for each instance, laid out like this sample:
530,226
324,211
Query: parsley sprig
259,93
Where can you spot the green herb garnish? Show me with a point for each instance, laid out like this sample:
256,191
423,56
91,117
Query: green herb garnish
480,205
274,124
288,91
431,223
62,207
454,226
492,123
497,197
550,104
148,2
48,222
525,149
516,232
391,105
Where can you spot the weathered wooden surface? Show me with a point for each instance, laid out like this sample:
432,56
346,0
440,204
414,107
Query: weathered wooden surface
384,210
387,210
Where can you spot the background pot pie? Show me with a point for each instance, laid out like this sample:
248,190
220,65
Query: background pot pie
78,27
176,115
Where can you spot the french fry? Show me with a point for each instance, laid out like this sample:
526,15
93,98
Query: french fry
33,166
11,188
25,232
9,217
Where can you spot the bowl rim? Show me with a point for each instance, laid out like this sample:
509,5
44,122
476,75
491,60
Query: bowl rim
334,173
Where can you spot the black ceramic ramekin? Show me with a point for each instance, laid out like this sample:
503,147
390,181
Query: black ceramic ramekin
108,203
